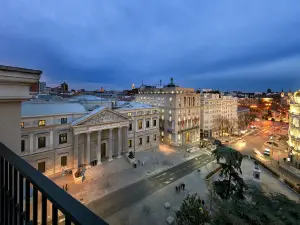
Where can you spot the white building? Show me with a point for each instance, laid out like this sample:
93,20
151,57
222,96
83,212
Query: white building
42,87
213,106
63,135
294,129
179,112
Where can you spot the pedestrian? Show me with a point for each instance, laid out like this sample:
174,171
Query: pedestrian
143,163
202,203
183,186
63,187
66,187
176,188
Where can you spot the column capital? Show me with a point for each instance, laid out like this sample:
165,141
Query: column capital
99,131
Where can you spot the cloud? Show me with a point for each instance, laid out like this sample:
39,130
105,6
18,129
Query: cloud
116,43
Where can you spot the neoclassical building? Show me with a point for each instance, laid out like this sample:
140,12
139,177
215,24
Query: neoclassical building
179,112
294,129
63,135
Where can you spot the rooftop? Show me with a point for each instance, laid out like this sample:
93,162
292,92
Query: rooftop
134,105
87,98
32,108
18,69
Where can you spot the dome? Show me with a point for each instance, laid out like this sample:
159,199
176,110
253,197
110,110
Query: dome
297,97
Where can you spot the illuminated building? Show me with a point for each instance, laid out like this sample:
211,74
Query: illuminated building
294,129
61,135
179,112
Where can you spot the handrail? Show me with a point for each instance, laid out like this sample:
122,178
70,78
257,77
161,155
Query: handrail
71,208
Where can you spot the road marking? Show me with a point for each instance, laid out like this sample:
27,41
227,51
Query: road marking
158,176
164,174
171,173
161,178
172,178
177,171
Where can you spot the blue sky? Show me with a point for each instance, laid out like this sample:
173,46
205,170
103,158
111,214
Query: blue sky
230,45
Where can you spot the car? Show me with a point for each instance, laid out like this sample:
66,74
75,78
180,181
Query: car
267,152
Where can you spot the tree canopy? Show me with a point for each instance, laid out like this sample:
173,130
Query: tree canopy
258,208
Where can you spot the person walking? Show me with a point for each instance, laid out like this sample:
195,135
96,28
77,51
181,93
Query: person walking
183,186
63,187
176,188
66,187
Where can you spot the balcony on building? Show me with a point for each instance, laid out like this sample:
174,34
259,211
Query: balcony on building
26,195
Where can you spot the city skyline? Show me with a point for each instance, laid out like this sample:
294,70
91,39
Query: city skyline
227,46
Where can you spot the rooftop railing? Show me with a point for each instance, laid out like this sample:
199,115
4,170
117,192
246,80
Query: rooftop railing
21,186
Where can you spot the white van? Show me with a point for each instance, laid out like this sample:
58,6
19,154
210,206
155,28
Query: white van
267,152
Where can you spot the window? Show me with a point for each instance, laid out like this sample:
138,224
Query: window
147,124
154,137
41,142
184,101
64,120
154,123
63,160
140,141
42,166
129,143
22,145
140,124
148,139
22,124
63,138
130,127
162,133
42,122
129,114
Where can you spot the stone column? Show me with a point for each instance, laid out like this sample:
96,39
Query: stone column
51,139
126,139
75,151
99,147
88,148
119,142
31,143
110,150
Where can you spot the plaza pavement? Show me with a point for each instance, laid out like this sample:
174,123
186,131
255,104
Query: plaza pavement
111,176
151,209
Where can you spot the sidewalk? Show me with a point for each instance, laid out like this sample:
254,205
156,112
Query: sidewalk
110,176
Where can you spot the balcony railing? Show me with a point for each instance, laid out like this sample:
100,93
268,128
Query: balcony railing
17,178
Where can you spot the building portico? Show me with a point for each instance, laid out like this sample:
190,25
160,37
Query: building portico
99,136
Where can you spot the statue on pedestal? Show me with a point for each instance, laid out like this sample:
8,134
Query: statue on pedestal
256,171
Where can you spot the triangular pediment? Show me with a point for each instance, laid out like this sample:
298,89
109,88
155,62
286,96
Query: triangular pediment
100,116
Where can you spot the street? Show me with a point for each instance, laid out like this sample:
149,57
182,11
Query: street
112,203
257,140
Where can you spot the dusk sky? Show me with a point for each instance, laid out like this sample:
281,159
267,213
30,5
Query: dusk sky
229,44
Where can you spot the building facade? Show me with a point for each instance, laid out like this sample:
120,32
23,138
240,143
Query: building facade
214,107
62,135
294,130
179,112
